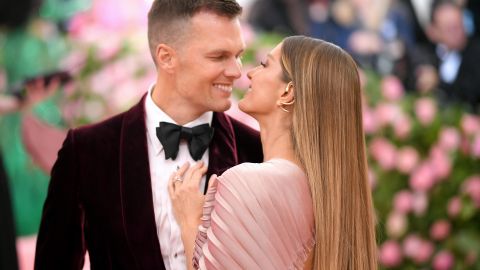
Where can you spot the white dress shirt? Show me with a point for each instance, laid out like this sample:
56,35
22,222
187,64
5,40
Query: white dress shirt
450,62
168,231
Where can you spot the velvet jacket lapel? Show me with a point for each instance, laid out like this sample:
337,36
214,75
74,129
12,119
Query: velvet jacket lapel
222,150
136,191
136,187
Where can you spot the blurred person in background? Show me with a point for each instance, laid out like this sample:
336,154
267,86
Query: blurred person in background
334,21
419,11
281,16
32,44
451,63
35,93
378,34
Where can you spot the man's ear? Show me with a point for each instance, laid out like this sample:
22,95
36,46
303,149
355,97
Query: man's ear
165,57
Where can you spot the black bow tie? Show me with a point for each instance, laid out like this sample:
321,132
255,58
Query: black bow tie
198,139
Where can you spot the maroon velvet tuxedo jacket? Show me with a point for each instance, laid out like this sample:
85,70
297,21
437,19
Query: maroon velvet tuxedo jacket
100,195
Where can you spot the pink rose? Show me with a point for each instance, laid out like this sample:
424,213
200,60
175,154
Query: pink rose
402,126
443,261
465,147
411,245
387,113
422,178
440,230
403,202
396,224
425,109
454,207
470,124
392,88
418,249
78,23
424,253
449,139
440,163
383,152
420,203
390,254
407,159
471,186
369,122
476,146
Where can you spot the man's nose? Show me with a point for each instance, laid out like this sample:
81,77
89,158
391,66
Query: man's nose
234,68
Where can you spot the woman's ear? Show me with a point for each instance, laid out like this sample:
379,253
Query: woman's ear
288,95
165,57
287,98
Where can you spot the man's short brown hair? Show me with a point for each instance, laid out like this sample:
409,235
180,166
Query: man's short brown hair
167,19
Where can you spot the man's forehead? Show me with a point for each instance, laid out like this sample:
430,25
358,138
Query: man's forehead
208,22
218,38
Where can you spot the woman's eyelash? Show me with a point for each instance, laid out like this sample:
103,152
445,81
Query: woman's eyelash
263,64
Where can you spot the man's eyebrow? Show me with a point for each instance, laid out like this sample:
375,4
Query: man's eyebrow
220,51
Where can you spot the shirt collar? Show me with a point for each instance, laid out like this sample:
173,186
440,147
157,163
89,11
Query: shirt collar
444,53
155,115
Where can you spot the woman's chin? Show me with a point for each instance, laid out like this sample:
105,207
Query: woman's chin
243,108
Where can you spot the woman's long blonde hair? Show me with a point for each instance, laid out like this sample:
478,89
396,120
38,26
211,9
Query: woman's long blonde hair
329,141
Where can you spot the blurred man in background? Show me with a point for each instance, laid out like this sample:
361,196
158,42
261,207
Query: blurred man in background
453,58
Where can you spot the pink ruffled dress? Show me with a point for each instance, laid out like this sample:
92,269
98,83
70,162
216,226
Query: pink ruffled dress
256,216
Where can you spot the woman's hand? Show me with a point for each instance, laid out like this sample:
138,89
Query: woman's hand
184,190
187,201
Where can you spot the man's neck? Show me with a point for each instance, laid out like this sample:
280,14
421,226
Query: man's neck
179,111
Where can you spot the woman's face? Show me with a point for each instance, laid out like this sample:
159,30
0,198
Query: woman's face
266,86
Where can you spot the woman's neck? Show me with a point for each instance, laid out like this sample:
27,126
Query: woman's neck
277,142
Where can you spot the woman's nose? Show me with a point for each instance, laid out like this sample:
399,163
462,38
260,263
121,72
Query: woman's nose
251,72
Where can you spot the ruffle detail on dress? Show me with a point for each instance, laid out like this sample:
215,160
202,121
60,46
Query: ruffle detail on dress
302,255
203,227
256,217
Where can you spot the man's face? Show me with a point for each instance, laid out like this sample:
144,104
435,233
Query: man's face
209,62
449,28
